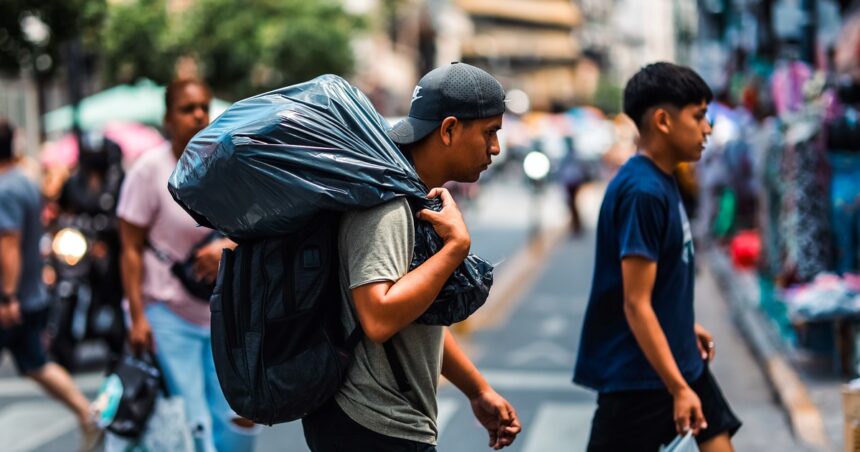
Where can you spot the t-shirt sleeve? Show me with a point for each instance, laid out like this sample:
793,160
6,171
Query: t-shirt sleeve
641,222
137,199
11,214
378,243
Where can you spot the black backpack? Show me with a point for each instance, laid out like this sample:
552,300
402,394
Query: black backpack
280,348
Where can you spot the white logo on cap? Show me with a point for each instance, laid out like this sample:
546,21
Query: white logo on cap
415,95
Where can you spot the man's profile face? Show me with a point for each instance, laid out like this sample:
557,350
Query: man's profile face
690,130
474,147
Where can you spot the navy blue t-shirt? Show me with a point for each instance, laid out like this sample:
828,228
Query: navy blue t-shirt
642,215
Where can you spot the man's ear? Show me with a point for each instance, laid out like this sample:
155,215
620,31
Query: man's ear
662,120
447,129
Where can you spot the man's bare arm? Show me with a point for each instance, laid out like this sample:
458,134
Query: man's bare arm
384,308
10,260
490,409
638,276
133,239
10,268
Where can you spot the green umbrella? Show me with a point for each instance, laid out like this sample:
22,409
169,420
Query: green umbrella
142,102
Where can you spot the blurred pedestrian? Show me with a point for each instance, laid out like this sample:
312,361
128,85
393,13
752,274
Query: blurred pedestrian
573,173
640,347
388,399
23,297
165,317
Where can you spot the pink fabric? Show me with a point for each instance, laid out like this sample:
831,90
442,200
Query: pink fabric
134,139
145,202
787,86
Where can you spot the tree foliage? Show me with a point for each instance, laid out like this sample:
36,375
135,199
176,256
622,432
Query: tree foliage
57,22
138,42
241,48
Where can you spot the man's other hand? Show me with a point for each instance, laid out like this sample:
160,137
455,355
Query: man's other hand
705,341
206,261
498,417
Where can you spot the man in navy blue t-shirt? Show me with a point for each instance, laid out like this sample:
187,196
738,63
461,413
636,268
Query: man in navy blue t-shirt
641,348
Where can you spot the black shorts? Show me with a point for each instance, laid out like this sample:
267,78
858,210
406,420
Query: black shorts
329,429
24,341
644,420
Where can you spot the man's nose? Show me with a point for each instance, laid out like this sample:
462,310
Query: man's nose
495,147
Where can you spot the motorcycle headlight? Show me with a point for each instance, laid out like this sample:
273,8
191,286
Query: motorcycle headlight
69,245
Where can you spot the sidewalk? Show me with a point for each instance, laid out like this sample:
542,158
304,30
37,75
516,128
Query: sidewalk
809,396
765,427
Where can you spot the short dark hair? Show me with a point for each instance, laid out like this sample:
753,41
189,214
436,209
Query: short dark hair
7,134
175,87
663,83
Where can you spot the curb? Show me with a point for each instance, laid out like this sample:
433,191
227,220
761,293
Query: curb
790,391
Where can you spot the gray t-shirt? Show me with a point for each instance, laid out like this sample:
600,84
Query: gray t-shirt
376,245
20,211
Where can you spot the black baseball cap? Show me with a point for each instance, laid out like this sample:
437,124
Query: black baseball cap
458,90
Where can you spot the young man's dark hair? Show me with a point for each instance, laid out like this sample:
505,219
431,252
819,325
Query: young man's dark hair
6,136
663,84
641,348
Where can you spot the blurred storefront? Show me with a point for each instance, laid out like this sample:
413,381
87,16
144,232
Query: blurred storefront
530,45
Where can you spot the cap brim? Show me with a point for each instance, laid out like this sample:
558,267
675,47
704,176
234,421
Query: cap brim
410,130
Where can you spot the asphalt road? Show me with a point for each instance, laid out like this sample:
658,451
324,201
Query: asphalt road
527,357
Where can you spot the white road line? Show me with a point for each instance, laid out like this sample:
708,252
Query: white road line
541,351
446,410
22,387
26,426
519,380
559,426
552,327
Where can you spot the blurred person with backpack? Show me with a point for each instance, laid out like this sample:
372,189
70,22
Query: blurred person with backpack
170,315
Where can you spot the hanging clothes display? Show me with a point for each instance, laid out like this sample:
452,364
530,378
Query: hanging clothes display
804,219
843,145
772,147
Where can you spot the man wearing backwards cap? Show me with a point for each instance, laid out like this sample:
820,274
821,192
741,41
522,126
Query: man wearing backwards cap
390,404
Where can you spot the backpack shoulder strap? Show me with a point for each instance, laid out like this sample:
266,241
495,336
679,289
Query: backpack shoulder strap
396,367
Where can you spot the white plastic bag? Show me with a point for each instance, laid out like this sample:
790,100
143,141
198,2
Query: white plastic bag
167,430
682,443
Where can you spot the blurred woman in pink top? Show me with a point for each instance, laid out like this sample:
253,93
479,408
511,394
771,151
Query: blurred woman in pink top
165,317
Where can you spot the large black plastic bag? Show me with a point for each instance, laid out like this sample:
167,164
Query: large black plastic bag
269,163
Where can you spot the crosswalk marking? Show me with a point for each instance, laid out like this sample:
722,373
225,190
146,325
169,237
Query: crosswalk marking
26,426
29,425
534,380
558,424
22,387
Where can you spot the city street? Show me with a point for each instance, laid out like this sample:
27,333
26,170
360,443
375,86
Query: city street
526,348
